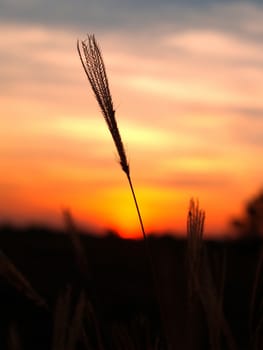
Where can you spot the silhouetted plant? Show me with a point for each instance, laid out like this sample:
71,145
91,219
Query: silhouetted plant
201,282
93,65
250,226
195,231
94,68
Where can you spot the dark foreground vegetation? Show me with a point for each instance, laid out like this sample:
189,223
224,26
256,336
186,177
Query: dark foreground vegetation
105,286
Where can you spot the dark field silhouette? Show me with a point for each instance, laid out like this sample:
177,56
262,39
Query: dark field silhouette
117,283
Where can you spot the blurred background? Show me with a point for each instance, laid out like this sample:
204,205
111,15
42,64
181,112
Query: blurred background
186,82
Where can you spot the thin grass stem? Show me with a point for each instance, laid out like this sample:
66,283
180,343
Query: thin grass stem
137,207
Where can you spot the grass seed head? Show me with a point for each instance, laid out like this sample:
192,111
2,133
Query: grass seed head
93,64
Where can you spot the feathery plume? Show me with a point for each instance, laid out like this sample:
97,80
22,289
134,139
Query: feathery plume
92,62
96,73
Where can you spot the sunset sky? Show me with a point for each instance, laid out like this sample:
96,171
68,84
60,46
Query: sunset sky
187,86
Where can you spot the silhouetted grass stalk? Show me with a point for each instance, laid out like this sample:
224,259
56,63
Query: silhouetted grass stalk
93,65
96,73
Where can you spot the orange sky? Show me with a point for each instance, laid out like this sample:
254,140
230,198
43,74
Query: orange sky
190,111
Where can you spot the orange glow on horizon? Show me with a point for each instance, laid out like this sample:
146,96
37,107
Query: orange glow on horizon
191,122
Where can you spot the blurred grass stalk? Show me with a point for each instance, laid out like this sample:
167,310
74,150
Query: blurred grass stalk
70,323
16,279
201,283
